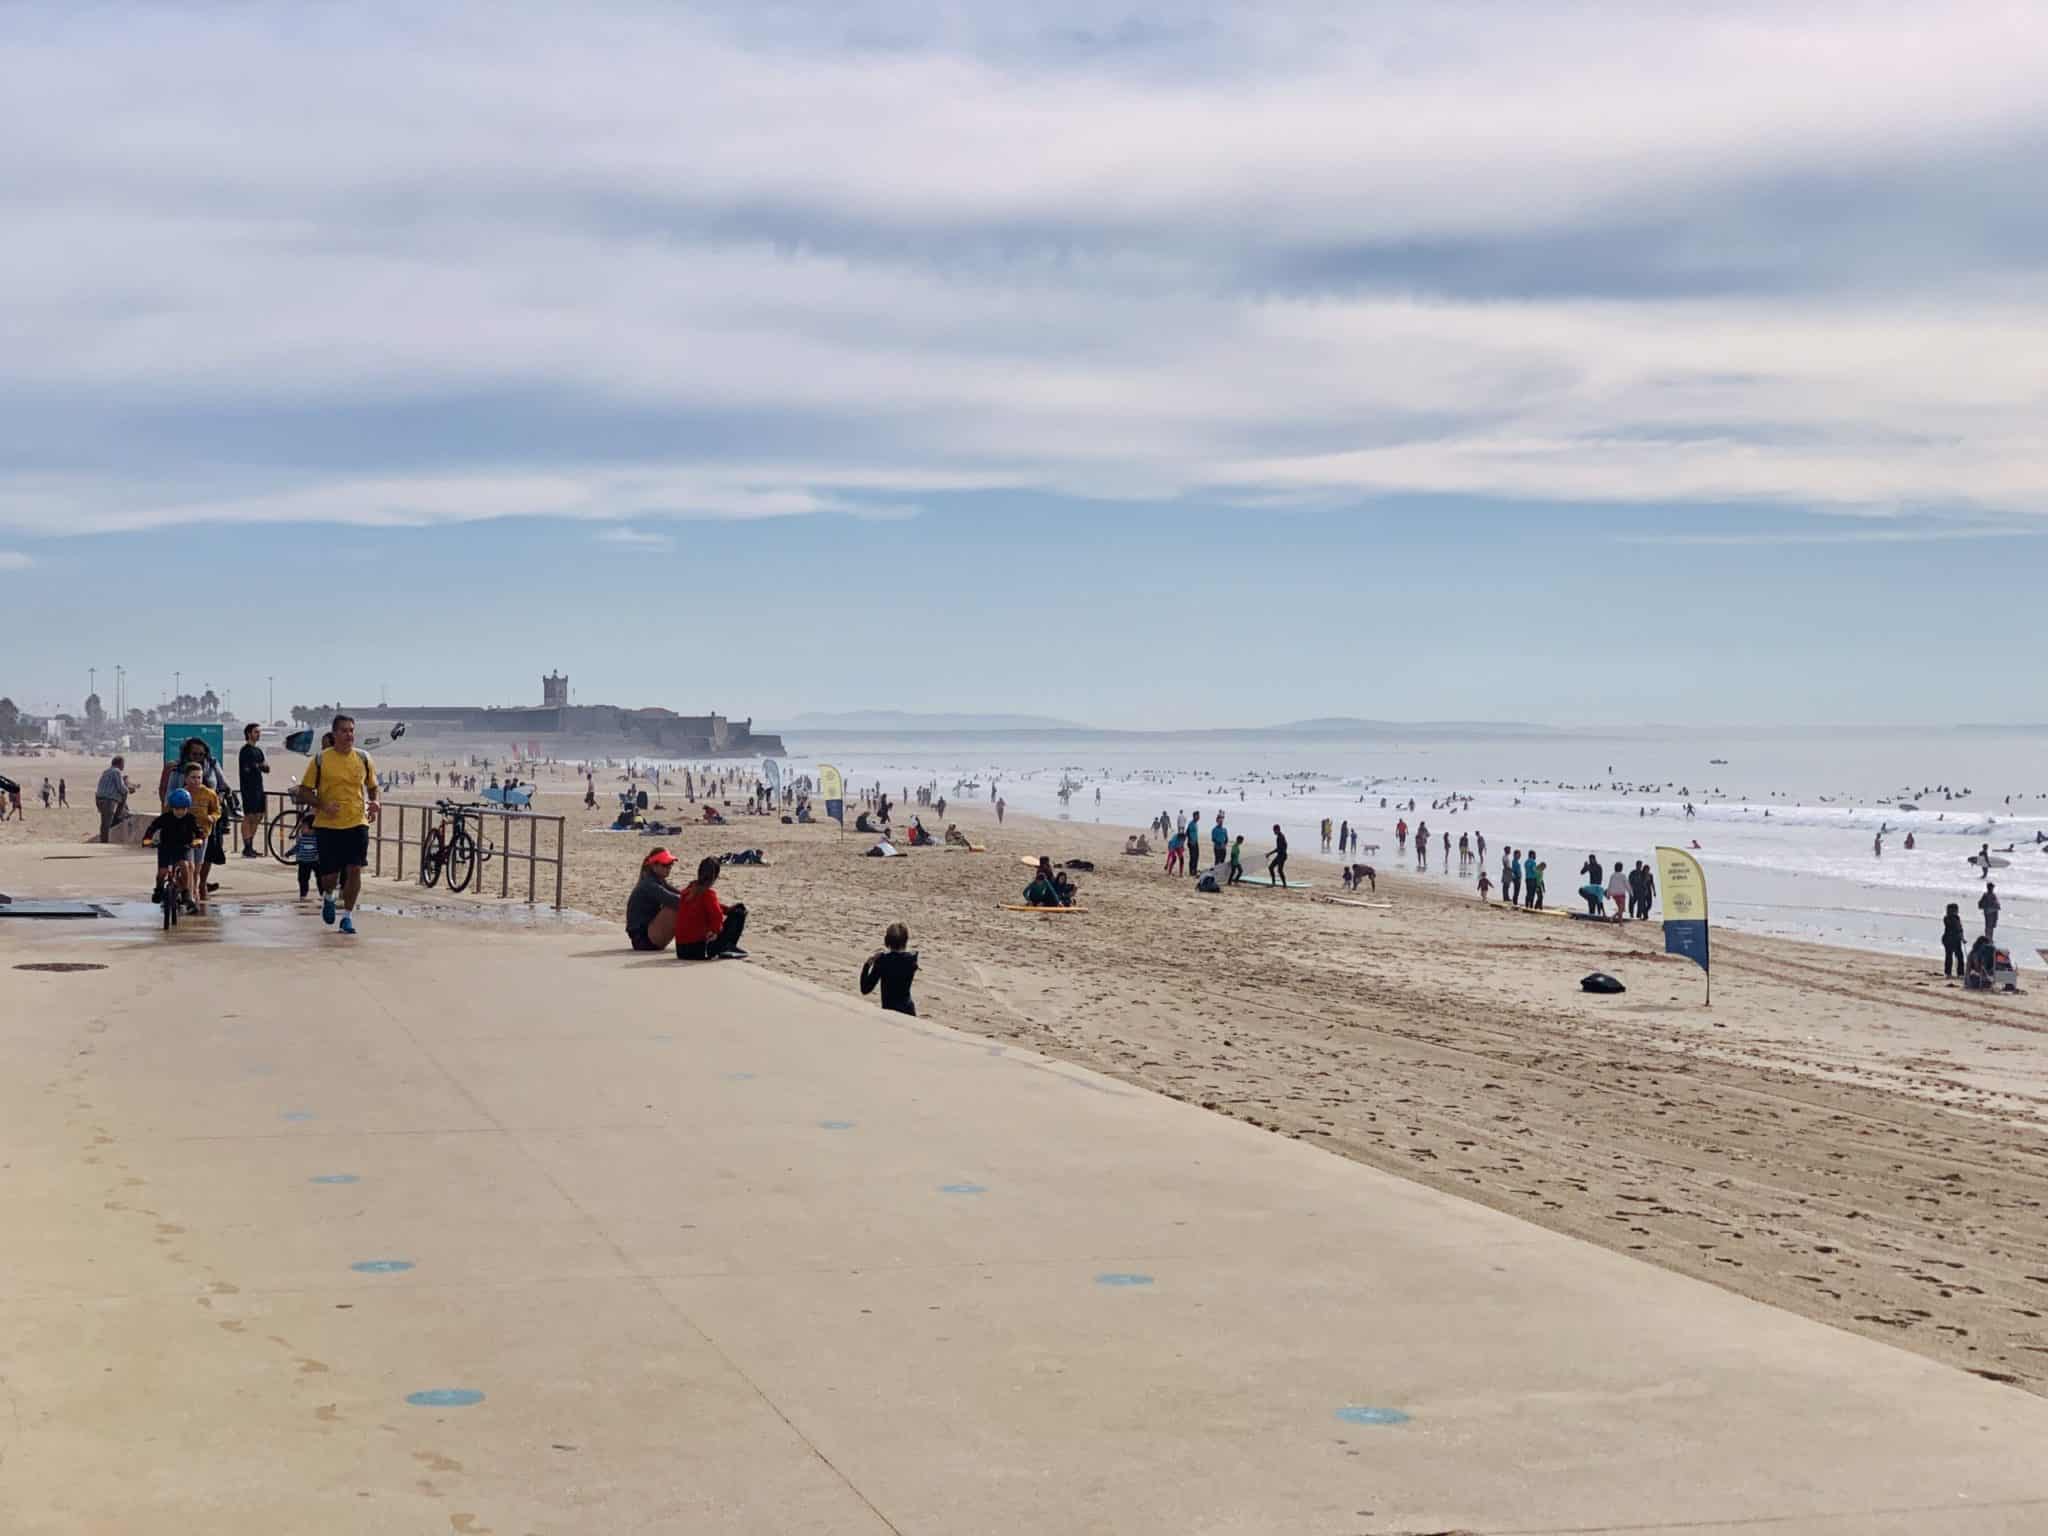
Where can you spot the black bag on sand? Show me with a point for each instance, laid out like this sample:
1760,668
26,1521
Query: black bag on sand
1600,981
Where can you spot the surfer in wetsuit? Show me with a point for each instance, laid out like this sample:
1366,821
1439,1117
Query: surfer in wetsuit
1276,861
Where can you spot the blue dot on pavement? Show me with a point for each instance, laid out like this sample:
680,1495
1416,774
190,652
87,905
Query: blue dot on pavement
445,1397
381,1266
963,1189
296,1114
836,1125
1372,1416
1123,1279
739,1077
333,1178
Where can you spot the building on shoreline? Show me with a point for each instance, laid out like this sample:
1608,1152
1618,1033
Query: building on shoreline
651,731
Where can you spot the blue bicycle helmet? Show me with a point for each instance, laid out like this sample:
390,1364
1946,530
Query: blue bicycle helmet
179,800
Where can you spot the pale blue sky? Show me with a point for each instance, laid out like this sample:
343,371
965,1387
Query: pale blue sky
1137,364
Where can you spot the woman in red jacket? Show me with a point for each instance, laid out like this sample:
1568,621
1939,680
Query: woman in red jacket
706,930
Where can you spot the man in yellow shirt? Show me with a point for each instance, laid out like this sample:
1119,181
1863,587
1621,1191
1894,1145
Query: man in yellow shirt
340,784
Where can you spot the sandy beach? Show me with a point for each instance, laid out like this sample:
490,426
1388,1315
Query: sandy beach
1843,1134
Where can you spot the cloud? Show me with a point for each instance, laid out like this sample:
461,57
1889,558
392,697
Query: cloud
14,560
637,538
452,262
1934,535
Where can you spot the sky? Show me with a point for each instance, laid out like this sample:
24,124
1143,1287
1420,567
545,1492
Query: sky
1137,364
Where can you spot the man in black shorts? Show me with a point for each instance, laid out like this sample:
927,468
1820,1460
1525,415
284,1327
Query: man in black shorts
254,766
340,784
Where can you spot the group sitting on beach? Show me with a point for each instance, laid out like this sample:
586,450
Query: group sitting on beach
1049,887
693,918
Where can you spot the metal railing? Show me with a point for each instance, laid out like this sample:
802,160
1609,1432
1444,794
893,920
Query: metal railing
418,818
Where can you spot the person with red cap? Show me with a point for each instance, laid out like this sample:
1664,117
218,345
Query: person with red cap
651,909
706,930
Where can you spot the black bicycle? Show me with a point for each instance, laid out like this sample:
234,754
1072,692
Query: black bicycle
281,832
451,849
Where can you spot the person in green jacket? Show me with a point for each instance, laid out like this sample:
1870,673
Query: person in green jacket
1237,860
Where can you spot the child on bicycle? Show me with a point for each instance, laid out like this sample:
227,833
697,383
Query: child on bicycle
177,839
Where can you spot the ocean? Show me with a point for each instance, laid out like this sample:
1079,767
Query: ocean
1786,823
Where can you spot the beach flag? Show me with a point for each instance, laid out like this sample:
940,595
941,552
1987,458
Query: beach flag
832,790
771,774
1684,890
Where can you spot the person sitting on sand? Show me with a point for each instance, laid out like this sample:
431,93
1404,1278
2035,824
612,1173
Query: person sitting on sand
705,929
891,968
1048,888
955,838
712,818
651,908
1137,843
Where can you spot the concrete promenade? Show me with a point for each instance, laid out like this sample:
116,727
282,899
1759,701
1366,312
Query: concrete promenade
453,1229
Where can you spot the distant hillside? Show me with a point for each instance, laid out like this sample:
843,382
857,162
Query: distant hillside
906,720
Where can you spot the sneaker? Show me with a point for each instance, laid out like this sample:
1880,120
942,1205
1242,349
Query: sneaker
734,953
348,923
327,910
250,853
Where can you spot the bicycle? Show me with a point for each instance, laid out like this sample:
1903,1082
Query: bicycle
456,853
174,891
281,832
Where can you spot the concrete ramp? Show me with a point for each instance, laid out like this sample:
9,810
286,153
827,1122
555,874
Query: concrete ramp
443,1230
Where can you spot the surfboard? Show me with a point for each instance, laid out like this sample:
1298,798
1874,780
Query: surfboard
1249,883
1994,862
1346,901
1042,911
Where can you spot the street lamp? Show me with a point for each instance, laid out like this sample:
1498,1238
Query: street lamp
273,700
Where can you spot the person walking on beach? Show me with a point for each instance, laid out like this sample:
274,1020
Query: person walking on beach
1401,834
1530,887
60,794
891,968
1952,942
1344,838
1988,905
1617,891
1276,861
252,766
111,795
1511,879
1422,845
1194,843
1479,842
1001,806
341,785
1236,860
1446,865
1219,840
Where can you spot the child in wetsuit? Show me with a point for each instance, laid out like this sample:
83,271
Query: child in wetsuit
891,968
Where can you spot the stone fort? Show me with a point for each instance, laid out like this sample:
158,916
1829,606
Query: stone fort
652,730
